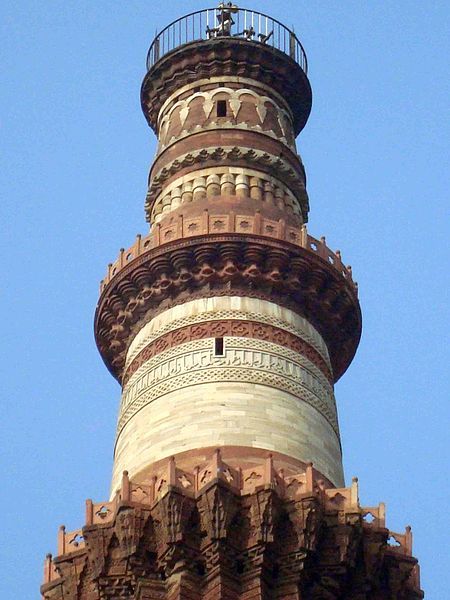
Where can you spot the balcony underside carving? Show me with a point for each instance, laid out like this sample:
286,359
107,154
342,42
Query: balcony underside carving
227,57
205,158
231,265
223,533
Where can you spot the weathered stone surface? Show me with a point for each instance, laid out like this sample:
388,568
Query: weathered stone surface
227,326
220,540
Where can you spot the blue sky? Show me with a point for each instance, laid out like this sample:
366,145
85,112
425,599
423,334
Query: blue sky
73,166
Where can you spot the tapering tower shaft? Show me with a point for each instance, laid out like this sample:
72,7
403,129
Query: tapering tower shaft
227,327
232,325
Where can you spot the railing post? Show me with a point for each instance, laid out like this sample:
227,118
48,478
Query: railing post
292,42
268,471
216,463
171,472
156,50
304,237
126,489
408,541
89,512
48,569
354,497
382,514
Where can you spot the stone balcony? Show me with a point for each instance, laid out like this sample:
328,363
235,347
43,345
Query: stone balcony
206,223
289,487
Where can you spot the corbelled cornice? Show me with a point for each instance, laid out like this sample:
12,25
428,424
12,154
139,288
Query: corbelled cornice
256,533
227,56
242,265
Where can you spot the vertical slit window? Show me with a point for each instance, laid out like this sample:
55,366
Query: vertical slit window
221,108
218,346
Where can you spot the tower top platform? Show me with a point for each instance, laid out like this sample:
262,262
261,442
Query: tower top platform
227,21
227,40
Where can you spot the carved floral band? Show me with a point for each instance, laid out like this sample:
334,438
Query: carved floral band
233,328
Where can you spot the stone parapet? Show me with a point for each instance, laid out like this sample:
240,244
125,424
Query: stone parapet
210,223
198,533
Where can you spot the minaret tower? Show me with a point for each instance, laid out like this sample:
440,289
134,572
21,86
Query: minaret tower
227,327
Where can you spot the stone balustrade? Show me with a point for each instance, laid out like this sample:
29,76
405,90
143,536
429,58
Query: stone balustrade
242,482
256,224
69,541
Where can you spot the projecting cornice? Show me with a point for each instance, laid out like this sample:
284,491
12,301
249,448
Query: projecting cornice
239,265
227,57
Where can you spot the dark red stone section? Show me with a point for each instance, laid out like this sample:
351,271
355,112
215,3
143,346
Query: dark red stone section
231,265
220,545
219,58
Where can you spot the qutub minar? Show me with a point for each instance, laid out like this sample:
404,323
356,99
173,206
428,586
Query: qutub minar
227,327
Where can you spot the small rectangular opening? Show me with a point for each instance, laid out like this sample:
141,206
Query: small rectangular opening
218,346
221,108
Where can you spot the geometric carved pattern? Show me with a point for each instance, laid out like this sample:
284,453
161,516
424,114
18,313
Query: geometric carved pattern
272,164
302,329
244,360
219,328
227,534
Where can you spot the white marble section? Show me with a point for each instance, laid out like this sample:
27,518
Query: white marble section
228,414
244,359
227,307
258,394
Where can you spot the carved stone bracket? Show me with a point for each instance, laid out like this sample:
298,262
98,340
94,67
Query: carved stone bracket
294,541
240,265
292,175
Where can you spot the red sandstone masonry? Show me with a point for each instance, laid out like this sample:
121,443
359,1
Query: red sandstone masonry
259,553
292,235
229,199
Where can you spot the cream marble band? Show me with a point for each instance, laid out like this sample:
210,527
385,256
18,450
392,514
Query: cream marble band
244,360
227,307
221,414
258,394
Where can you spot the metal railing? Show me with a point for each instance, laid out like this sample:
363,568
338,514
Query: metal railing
227,21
